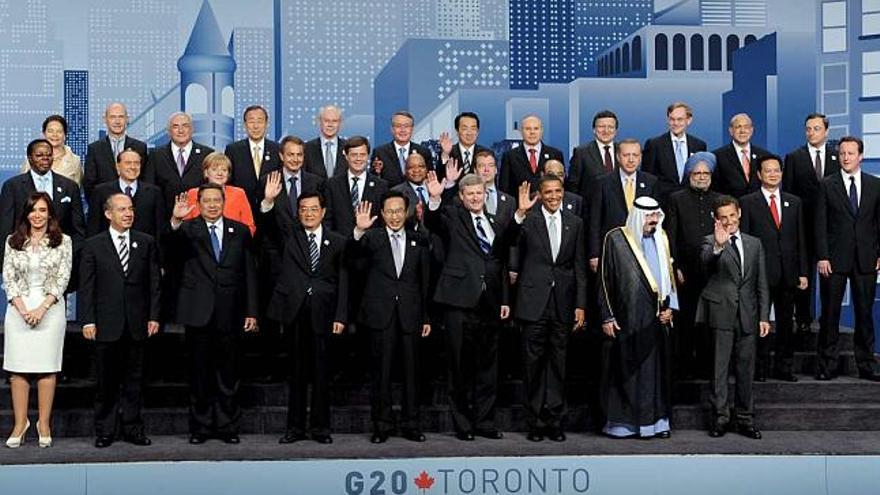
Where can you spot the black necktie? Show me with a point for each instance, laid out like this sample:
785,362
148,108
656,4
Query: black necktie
853,195
735,248
817,163
292,195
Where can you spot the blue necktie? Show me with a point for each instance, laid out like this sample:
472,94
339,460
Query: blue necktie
401,156
421,191
853,195
215,243
292,195
679,160
355,195
482,238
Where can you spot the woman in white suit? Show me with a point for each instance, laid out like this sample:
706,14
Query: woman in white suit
36,269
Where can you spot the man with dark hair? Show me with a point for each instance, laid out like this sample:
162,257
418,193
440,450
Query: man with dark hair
102,154
415,190
390,159
467,126
776,218
596,158
526,161
149,206
324,154
666,154
310,300
357,184
253,156
805,168
736,173
396,265
847,237
735,305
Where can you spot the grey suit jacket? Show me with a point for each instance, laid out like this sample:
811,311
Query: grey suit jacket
734,296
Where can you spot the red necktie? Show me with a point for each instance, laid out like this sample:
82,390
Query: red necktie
533,160
609,165
745,164
774,212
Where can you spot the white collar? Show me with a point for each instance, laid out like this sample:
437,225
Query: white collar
261,143
114,234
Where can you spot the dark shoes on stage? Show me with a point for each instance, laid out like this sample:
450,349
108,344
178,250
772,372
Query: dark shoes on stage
825,376
535,436
200,438
413,435
464,436
379,437
785,376
870,375
554,434
491,434
291,437
717,431
197,438
138,439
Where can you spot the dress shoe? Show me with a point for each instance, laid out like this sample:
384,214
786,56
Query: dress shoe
491,434
413,435
556,435
379,437
749,431
43,441
786,376
197,438
231,438
870,375
325,439
465,436
138,439
103,442
663,435
825,376
15,442
291,437
535,436
717,431
760,377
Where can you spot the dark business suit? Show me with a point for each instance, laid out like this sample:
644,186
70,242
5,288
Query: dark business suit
314,158
213,300
587,164
799,178
149,208
608,206
455,154
849,240
392,171
340,212
658,158
307,302
515,168
66,200
101,164
729,176
119,304
243,174
786,257
734,300
547,293
472,287
161,169
394,308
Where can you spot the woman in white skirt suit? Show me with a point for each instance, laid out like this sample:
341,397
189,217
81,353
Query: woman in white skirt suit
36,268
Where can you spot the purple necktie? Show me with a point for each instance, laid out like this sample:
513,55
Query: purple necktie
181,163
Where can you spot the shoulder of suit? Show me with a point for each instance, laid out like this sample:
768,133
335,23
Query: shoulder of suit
141,236
60,180
235,224
199,147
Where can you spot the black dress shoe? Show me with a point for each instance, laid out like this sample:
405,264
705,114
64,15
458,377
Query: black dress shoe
535,436
491,434
325,439
663,434
138,439
786,376
197,438
825,376
102,442
869,375
749,431
464,436
231,438
379,437
291,437
413,435
760,377
717,431
556,435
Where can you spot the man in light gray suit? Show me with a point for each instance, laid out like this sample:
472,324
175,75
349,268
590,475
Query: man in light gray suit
735,304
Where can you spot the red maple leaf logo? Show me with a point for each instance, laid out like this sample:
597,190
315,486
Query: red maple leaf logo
424,482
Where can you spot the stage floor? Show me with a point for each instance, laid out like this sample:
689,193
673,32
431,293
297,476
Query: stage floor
351,446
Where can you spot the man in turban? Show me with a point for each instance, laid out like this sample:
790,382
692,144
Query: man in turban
636,297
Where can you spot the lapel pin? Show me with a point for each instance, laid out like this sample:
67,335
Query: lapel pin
134,245
568,206
198,151
412,243
754,156
229,230
546,156
491,219
785,204
58,188
642,185
833,158
326,242
372,183
267,158
503,198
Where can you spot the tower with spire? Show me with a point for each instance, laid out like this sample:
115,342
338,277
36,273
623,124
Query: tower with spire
207,92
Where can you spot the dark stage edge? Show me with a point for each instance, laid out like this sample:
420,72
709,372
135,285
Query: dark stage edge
356,446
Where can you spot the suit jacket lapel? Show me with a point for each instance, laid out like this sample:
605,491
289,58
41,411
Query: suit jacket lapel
109,246
467,221
617,189
191,159
544,235
566,232
843,194
227,236
107,149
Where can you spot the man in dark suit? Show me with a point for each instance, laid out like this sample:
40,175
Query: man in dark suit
776,218
355,185
847,237
65,195
311,302
735,305
804,169
594,159
324,154
551,297
149,206
102,154
526,161
571,202
396,263
389,159
614,194
415,189
463,153
666,154
217,298
119,305
736,173
177,166
474,290
254,156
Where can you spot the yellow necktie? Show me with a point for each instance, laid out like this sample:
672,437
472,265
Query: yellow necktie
629,193
258,160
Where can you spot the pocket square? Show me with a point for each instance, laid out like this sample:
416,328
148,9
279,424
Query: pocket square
65,199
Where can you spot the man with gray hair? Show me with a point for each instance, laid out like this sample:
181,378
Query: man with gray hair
102,154
526,162
737,170
636,297
324,154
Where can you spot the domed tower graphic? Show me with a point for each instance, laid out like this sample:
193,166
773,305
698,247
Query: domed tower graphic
206,82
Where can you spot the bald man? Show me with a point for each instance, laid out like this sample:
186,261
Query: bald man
526,162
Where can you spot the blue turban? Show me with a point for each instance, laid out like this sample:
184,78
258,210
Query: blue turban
698,157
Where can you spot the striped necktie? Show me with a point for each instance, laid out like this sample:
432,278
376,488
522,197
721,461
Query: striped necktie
313,251
123,253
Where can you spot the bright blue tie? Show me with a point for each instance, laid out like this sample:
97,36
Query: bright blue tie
482,238
215,243
422,198
853,195
679,160
401,156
